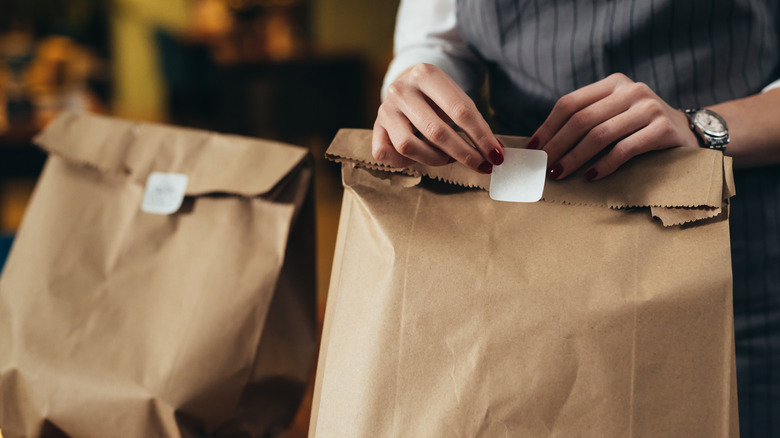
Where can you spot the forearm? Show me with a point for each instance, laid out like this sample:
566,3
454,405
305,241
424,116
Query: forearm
754,129
427,32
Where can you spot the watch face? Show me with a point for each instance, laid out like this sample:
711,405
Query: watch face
710,123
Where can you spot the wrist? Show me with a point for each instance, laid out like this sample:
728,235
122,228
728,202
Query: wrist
689,137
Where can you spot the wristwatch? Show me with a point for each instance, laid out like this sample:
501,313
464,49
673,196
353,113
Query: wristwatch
709,127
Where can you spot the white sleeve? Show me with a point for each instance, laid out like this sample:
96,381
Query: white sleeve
427,31
772,86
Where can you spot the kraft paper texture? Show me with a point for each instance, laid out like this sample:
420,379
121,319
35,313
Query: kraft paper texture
119,323
603,310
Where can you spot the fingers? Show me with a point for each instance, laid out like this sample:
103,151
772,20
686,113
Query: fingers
401,142
598,138
571,104
383,151
660,133
414,124
582,124
628,148
459,108
438,134
616,118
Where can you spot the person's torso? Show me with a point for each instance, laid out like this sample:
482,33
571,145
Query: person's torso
692,53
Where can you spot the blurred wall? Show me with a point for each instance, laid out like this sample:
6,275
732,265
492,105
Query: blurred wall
139,90
358,26
361,26
364,26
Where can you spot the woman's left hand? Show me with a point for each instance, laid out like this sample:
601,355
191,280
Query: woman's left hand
614,111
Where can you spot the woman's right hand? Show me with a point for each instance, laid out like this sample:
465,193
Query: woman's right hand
417,120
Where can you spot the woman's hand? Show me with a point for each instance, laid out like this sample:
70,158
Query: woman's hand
415,124
617,112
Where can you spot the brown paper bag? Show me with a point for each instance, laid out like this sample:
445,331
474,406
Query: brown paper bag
602,311
115,322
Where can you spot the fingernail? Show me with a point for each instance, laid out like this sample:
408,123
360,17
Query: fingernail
591,174
485,167
499,142
496,156
533,143
556,170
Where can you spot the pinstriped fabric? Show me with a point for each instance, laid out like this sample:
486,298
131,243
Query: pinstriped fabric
693,53
755,237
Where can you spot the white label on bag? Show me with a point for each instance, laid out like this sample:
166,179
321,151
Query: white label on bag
521,177
164,192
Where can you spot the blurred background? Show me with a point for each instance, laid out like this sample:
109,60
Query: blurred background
288,70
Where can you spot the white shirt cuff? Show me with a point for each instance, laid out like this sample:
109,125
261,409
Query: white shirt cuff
772,86
427,32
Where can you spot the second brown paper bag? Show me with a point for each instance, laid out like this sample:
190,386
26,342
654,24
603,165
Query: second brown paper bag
116,322
604,310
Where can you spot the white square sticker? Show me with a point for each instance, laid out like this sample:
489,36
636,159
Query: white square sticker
164,192
521,177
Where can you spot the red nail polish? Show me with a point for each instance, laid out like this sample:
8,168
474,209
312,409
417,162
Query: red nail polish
555,171
496,156
533,144
499,142
485,167
591,174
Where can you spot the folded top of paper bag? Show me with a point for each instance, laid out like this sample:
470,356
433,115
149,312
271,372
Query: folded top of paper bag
214,163
678,185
